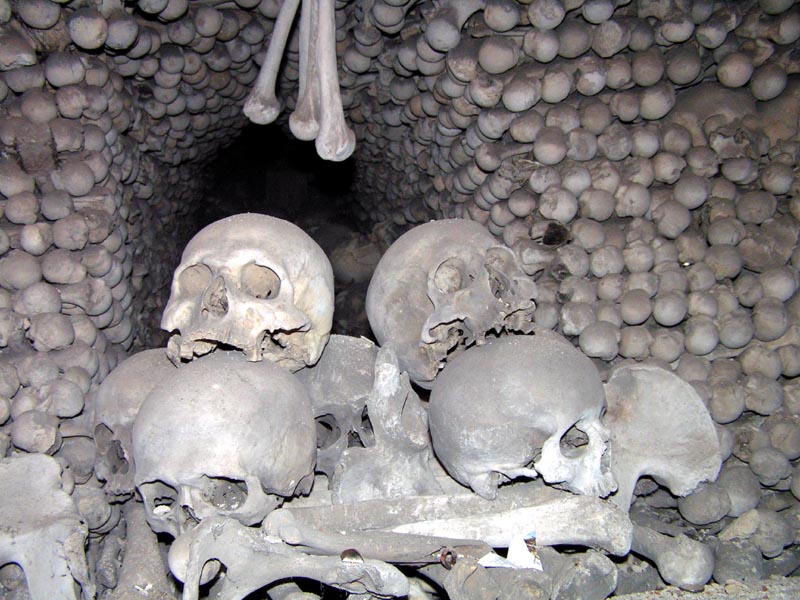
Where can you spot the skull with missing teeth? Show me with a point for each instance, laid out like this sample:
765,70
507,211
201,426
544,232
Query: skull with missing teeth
222,437
255,283
443,286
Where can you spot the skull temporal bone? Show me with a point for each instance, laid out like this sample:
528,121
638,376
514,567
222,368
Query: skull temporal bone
218,437
255,283
442,285
499,408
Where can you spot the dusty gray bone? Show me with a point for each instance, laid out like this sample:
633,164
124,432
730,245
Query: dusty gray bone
42,530
443,284
470,517
540,388
114,406
321,116
232,458
402,548
659,427
254,282
339,385
398,462
570,519
254,560
681,561
142,566
262,105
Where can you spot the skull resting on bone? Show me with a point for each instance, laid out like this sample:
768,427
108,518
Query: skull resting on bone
444,285
501,411
255,283
223,437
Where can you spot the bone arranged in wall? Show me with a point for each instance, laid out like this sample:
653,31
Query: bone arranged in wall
639,158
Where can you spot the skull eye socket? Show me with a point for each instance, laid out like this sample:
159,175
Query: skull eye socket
328,431
260,282
225,494
449,276
160,496
195,279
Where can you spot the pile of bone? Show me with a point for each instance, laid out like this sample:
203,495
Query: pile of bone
105,114
640,158
472,96
90,206
269,452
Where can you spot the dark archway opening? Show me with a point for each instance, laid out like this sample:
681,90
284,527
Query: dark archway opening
266,170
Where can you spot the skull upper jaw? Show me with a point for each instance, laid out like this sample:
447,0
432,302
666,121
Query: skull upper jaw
279,332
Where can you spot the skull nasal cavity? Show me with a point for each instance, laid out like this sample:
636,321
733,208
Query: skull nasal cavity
215,299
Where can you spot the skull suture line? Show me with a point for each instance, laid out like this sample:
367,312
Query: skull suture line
217,438
500,411
442,285
255,283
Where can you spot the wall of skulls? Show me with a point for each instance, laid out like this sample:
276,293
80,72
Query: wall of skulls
639,157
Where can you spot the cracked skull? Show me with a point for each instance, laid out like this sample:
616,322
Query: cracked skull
521,406
255,283
443,286
223,437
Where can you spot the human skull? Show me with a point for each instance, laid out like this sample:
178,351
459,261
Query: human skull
444,285
255,283
501,411
338,386
115,405
223,437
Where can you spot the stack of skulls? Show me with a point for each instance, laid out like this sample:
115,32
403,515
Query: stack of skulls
639,157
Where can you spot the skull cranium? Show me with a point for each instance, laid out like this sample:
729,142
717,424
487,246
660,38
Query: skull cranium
501,411
444,285
223,437
255,283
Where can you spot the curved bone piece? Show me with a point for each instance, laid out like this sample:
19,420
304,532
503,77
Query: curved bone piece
442,285
496,406
256,283
398,464
41,529
660,427
254,560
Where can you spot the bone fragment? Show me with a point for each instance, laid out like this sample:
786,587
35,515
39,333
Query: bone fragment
681,561
681,447
381,545
262,105
142,567
254,561
336,141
